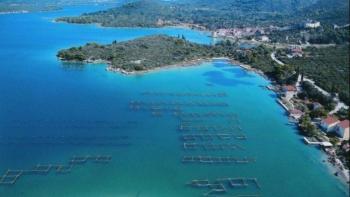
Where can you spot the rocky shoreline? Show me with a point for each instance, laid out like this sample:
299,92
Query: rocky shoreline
184,64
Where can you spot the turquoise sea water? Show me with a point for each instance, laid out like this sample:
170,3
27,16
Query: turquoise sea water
50,111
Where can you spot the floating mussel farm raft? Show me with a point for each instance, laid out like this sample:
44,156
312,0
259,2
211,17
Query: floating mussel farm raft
217,160
212,137
226,185
182,94
210,146
210,134
119,141
10,177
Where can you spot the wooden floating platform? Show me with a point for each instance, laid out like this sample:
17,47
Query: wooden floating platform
160,108
149,105
103,159
200,183
237,182
216,160
79,160
83,159
67,140
11,176
63,169
184,94
40,169
208,114
212,137
208,128
218,186
215,188
208,147
240,182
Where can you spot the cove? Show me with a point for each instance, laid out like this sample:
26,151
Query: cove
51,111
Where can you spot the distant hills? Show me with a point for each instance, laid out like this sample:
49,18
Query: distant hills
219,13
42,5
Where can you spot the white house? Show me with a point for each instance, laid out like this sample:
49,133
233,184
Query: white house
329,123
312,24
342,130
265,39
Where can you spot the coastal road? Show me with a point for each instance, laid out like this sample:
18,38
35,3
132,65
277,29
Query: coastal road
273,56
339,104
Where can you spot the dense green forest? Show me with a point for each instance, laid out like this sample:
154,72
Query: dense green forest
328,67
314,94
140,54
217,14
326,34
42,5
259,58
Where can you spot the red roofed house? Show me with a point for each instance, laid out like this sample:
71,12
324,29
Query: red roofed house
343,129
296,51
329,123
296,114
289,88
289,91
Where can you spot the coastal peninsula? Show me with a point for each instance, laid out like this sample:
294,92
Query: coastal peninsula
141,54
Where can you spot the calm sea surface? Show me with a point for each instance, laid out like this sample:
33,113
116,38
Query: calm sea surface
51,112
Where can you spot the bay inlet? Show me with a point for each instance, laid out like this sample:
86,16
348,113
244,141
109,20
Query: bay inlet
158,131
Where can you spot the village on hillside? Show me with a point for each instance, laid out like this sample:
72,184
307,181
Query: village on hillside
324,126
